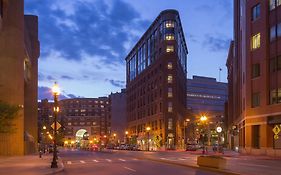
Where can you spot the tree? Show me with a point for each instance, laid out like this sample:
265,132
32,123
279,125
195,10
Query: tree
8,113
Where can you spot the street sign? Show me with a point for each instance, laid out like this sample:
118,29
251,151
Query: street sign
58,125
276,130
276,137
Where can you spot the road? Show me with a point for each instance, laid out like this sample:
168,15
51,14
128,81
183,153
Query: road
118,163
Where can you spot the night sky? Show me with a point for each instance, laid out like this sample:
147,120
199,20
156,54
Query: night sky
84,42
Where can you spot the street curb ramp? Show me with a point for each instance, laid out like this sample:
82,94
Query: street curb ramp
191,166
57,170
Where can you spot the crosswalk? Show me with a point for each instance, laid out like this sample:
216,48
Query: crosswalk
124,160
70,162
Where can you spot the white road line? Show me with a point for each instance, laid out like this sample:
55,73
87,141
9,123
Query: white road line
82,161
248,164
122,160
69,162
96,161
181,159
163,158
130,169
135,159
108,160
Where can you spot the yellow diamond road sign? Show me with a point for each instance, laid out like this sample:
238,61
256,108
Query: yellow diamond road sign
276,130
58,125
276,137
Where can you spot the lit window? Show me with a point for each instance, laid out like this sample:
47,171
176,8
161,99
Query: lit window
170,79
256,41
83,110
256,10
274,3
170,124
279,29
275,96
170,48
69,124
170,92
170,107
102,106
169,24
169,37
170,65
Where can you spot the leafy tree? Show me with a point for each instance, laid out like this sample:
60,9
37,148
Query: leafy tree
7,114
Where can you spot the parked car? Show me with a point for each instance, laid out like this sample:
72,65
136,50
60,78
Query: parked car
191,147
94,147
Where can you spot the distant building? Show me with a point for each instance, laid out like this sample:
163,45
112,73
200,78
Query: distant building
206,96
19,52
156,85
85,119
254,75
118,120
45,119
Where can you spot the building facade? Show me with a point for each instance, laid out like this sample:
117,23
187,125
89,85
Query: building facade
255,78
118,111
156,84
19,53
85,119
206,96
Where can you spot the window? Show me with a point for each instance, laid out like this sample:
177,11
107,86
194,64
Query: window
256,10
255,70
169,37
275,64
170,107
170,65
274,3
273,33
169,24
170,79
1,8
170,92
275,96
170,124
256,41
170,48
256,136
255,100
279,29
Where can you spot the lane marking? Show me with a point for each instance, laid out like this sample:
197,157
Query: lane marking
69,162
130,169
163,158
248,164
108,160
96,161
122,160
82,161
181,159
135,159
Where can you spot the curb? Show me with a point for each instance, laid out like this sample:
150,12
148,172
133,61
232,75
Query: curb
191,166
57,170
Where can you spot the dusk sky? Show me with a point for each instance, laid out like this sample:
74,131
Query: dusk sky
84,42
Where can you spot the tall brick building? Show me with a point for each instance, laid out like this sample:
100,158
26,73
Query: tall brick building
156,84
254,64
19,52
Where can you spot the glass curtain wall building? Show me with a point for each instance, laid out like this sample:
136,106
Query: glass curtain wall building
156,84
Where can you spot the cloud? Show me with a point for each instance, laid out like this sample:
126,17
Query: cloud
46,93
117,83
67,77
216,43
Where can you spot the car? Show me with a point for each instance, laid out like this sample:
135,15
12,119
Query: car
191,147
94,147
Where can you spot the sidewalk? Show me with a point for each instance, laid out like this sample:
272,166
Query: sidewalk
29,165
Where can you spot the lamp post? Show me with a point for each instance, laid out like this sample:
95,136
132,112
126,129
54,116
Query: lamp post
148,129
185,126
56,92
114,137
126,138
203,119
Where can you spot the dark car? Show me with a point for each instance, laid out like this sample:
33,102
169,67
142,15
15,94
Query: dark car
191,147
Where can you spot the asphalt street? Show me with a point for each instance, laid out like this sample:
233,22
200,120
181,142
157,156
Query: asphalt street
118,163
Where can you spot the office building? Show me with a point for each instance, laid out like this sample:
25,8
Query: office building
255,78
19,52
206,97
156,85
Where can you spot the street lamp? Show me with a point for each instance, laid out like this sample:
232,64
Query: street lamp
148,129
44,127
203,119
185,126
114,137
56,92
126,133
